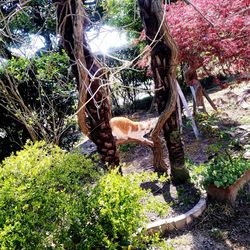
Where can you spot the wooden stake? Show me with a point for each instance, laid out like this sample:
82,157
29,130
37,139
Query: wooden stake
189,114
209,99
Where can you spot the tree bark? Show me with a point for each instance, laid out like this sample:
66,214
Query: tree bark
94,110
163,65
191,79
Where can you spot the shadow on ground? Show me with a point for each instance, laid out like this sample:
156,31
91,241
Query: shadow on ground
221,227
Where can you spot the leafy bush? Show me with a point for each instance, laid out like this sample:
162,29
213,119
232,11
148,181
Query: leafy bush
37,100
42,193
121,207
119,213
223,170
53,199
208,124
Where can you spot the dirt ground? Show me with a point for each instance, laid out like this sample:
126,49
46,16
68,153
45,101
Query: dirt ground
220,226
231,112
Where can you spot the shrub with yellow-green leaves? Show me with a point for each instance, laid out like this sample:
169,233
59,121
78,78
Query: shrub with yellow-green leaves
51,199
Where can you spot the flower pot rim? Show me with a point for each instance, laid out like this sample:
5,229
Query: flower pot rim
230,193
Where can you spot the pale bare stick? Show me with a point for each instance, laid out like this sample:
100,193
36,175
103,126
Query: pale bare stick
189,115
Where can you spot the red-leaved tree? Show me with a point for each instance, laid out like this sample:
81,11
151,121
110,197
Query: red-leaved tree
218,46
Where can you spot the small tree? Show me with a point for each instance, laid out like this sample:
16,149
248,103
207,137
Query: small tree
24,95
94,110
128,83
163,65
38,94
219,44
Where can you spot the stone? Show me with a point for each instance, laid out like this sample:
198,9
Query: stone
165,225
180,221
88,147
245,138
246,155
189,219
244,127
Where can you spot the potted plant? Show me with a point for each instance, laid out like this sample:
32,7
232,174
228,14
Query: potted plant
224,176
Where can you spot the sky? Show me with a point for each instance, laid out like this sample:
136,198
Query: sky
106,38
100,41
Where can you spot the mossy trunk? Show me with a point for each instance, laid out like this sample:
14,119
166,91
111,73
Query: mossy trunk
94,110
163,64
175,149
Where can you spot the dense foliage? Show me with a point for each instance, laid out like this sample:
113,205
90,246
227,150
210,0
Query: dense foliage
223,170
220,47
123,14
26,19
118,213
42,193
53,199
38,95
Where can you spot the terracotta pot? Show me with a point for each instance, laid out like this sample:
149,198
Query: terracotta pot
228,194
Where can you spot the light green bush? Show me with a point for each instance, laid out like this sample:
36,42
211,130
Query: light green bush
41,191
51,199
122,205
119,212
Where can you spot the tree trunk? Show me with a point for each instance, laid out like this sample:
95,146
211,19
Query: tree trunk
191,79
198,101
163,65
94,106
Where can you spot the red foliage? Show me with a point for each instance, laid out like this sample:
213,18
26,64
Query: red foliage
223,47
144,62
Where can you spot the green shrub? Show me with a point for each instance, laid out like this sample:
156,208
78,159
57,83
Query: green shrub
51,199
119,213
41,192
122,206
222,171
208,124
